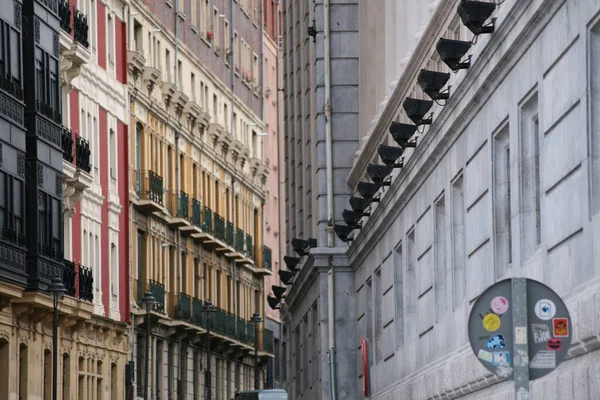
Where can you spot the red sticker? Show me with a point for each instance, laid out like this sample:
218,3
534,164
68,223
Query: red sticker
560,327
554,344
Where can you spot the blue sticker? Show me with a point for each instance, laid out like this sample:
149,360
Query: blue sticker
501,358
496,343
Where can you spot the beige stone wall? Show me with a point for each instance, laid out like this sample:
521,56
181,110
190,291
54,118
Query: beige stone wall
92,356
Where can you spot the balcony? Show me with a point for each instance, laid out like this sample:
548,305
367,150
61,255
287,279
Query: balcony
135,62
76,169
249,246
64,13
149,190
179,208
13,237
267,255
73,41
158,291
195,218
81,28
206,226
11,86
183,307
48,111
219,227
51,252
229,236
79,281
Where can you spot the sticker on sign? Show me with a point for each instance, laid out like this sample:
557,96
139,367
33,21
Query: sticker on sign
544,359
541,333
499,304
545,309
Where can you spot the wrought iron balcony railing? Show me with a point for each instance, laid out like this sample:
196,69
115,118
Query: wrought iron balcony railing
183,308
249,246
158,291
184,205
196,217
51,252
229,236
150,186
267,257
68,145
78,280
13,236
11,85
48,111
80,23
82,153
239,240
219,227
207,217
64,13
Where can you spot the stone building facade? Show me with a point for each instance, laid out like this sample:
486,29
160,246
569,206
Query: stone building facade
197,193
503,183
49,57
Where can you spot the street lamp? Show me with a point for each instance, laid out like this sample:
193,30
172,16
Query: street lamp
208,308
148,300
58,290
256,320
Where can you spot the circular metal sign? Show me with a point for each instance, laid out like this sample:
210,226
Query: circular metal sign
493,335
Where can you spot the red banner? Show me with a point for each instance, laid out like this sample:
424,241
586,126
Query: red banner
365,362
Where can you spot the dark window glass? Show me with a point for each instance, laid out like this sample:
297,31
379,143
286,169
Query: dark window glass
3,195
53,92
43,215
39,75
2,50
15,55
18,206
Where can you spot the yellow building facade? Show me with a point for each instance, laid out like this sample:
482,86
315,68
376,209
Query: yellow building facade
197,193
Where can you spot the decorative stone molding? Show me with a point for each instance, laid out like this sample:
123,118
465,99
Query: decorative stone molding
150,77
74,182
4,335
135,63
168,91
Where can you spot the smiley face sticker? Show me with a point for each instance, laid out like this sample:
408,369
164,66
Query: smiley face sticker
491,322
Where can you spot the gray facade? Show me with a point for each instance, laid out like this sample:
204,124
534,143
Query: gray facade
504,183
305,311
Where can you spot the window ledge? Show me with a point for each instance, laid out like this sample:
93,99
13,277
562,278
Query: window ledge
194,29
181,15
206,42
169,3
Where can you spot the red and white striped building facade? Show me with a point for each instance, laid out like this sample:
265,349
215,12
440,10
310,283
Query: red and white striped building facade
95,193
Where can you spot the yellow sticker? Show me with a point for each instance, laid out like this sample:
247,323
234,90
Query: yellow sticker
491,322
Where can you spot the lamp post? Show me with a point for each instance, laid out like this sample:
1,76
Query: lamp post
256,320
58,290
148,300
208,308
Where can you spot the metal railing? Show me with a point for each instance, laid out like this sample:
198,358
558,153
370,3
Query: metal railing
48,111
82,153
219,227
150,186
267,257
51,252
207,217
178,204
239,240
183,308
64,13
78,280
196,217
158,291
249,246
12,236
229,236
11,86
80,25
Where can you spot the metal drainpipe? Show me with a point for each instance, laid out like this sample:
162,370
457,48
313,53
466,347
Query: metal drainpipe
178,190
279,183
232,66
330,217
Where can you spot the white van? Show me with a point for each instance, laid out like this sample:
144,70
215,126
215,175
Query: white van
267,394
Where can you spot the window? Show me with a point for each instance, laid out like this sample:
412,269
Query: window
11,209
194,12
170,369
215,29
23,372
378,317
236,52
440,257
113,155
215,109
158,367
110,44
193,84
530,177
399,295
10,58
179,74
167,71
47,375
114,266
502,199
114,381
66,376
458,239
594,140
4,360
255,70
227,42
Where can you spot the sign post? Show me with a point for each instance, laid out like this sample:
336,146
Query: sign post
520,329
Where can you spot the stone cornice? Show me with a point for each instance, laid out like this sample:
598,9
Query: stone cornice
404,83
142,99
318,261
452,120
192,58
